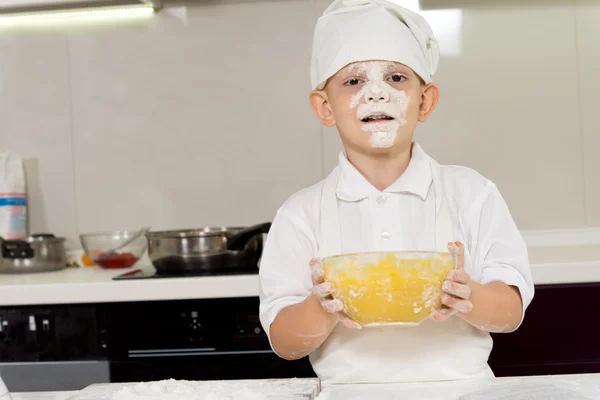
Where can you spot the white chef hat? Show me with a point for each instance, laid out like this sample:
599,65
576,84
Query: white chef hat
362,30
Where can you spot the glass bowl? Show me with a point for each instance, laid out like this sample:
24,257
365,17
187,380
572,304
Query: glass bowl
389,288
96,244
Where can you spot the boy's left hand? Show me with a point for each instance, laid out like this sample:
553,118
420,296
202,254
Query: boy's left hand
457,291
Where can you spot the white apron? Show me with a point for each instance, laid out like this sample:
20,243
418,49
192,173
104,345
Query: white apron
432,351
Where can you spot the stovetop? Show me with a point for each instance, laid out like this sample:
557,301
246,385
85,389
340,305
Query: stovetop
145,274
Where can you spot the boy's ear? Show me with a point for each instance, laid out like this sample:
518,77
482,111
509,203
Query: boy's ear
319,102
430,94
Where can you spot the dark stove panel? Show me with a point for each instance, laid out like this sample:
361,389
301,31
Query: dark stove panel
151,274
182,326
58,333
193,340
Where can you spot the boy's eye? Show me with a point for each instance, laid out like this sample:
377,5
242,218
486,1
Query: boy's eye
397,78
353,82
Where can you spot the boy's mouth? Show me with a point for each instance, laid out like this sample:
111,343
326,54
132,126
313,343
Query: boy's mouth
380,117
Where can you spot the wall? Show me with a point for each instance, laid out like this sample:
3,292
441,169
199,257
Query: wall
199,115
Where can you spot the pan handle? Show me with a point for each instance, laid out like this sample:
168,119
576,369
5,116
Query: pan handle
43,236
239,240
16,249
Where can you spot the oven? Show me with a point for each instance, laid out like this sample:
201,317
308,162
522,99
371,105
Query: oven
206,339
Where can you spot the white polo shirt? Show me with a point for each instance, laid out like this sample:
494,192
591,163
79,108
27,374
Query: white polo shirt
402,217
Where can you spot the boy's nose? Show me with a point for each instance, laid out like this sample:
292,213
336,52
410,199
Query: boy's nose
375,95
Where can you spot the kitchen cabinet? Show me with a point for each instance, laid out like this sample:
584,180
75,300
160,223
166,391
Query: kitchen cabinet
52,347
559,335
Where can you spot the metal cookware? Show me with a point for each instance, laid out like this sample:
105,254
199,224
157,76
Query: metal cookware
37,253
206,250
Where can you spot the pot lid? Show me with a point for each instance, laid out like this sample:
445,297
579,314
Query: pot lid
44,237
192,233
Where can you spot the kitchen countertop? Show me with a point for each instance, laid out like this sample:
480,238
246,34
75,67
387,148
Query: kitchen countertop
563,387
95,285
559,387
550,265
41,396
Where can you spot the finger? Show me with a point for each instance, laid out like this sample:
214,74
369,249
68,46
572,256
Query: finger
323,289
459,290
348,322
442,314
458,276
458,249
460,305
317,271
332,306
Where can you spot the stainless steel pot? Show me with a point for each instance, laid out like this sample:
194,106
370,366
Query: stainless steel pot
206,250
37,253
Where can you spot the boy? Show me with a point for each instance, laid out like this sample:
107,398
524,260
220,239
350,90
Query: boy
372,70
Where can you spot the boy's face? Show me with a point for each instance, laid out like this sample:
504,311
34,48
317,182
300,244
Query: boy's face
375,104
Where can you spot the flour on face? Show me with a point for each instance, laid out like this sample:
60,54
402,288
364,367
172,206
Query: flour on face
383,111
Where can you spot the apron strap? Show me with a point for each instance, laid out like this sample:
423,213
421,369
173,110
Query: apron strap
443,223
331,238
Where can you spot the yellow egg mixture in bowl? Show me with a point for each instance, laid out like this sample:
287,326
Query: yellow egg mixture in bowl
389,288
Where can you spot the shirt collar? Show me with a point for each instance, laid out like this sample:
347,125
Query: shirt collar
353,186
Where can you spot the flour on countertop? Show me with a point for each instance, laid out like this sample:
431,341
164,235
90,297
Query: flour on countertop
171,389
178,390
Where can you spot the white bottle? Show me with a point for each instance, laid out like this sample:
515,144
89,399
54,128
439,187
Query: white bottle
13,197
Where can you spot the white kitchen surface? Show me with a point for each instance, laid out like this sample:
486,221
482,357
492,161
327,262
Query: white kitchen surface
255,389
95,285
553,265
562,387
572,387
42,395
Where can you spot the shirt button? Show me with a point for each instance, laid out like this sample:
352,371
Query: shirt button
386,236
381,199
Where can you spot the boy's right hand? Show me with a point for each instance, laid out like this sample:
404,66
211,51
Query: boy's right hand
323,291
